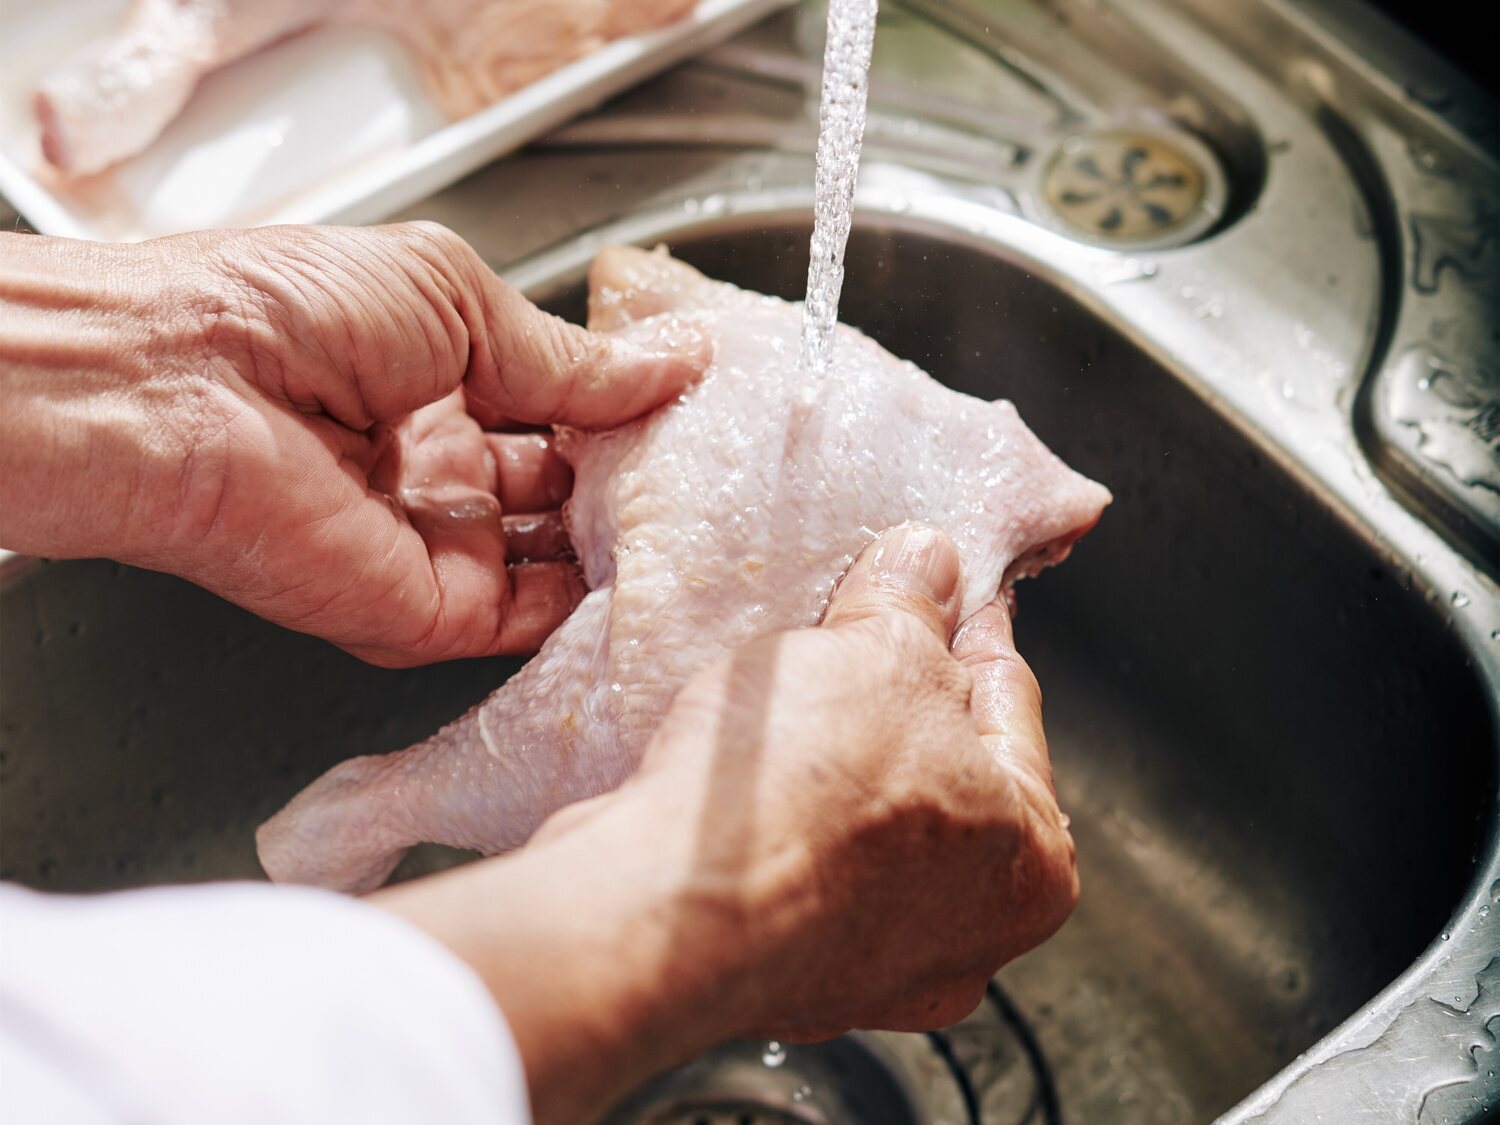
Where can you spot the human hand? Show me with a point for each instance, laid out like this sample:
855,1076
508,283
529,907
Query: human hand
848,826
291,417
882,807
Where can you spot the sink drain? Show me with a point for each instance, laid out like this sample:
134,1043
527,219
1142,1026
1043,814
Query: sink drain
732,1113
1133,187
987,1068
854,1078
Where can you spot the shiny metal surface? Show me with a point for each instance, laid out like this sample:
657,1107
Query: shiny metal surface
1272,673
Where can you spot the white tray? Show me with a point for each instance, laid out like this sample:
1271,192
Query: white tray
330,126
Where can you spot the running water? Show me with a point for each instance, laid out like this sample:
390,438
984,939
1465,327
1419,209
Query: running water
841,129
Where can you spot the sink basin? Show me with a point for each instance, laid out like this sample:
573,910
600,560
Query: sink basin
1245,700
1278,757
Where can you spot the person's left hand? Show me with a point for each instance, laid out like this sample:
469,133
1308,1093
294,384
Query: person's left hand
290,417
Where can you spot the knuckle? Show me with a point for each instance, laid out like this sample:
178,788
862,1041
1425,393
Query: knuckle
426,235
1024,678
908,640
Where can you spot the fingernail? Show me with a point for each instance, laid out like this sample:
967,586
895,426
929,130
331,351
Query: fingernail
919,557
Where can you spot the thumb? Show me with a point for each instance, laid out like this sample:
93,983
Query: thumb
532,367
913,569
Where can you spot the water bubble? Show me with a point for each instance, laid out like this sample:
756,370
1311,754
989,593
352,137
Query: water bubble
1459,599
774,1054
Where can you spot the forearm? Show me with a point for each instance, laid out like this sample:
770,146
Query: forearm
95,341
607,968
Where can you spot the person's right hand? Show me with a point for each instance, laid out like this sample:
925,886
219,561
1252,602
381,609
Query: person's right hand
847,826
876,808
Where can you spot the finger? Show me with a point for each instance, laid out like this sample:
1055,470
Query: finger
538,537
444,486
531,477
542,596
1006,700
530,366
910,569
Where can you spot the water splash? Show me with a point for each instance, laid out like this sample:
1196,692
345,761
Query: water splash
841,130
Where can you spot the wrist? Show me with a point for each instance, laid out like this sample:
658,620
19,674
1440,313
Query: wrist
607,964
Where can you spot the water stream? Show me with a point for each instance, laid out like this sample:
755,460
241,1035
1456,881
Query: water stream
841,129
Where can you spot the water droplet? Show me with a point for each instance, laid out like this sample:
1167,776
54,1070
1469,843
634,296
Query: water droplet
1128,269
1484,911
1459,599
1446,935
801,1093
774,1055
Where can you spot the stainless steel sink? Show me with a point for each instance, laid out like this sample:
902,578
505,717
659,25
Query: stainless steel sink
1273,671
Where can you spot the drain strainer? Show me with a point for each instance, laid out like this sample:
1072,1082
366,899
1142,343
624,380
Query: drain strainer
988,1068
731,1113
1133,187
850,1079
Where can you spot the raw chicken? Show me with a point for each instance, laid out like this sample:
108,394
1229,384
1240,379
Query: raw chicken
725,515
114,97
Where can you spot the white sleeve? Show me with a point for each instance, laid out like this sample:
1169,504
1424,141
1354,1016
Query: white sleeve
241,1003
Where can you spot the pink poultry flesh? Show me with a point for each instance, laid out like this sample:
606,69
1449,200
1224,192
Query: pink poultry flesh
112,98
727,514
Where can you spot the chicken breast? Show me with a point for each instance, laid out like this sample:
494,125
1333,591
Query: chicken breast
723,516
114,97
